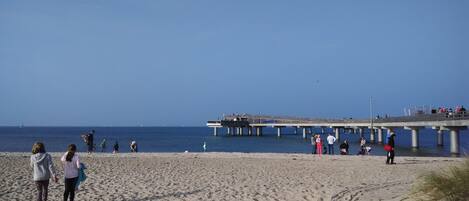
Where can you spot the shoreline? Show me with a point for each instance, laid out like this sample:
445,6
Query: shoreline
231,155
227,176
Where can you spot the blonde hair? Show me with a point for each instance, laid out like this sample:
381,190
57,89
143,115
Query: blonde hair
38,147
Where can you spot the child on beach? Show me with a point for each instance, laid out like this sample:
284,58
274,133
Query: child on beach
318,145
43,169
71,164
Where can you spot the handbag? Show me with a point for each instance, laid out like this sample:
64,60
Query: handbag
387,147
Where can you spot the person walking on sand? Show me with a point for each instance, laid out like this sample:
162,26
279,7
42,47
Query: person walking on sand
390,150
103,145
115,148
318,145
330,144
71,163
43,170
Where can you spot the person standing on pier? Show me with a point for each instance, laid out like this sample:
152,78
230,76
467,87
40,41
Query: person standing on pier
330,144
390,149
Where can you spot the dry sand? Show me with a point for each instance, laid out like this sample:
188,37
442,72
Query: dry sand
226,176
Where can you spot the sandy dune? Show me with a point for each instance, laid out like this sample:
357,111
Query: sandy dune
226,176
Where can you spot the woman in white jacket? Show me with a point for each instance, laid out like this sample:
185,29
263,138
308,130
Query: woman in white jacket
71,164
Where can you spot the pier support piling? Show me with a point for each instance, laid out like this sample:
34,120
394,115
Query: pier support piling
439,137
454,140
415,136
228,132
454,137
249,130
360,130
215,131
337,133
372,135
279,131
304,132
380,135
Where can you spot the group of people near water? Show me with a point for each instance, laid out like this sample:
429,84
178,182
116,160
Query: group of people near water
319,148
88,138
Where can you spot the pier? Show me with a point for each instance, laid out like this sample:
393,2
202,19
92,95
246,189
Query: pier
441,123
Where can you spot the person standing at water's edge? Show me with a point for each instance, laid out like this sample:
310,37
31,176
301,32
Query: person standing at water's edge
89,140
133,146
43,169
103,145
116,148
344,148
318,145
313,143
390,154
71,164
330,144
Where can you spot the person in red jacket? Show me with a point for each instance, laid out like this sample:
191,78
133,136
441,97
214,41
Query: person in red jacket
390,155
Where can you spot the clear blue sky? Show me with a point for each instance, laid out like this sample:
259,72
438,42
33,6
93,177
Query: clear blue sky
98,62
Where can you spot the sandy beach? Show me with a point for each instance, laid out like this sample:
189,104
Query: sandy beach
227,176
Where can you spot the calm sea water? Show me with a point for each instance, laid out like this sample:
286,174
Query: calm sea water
180,139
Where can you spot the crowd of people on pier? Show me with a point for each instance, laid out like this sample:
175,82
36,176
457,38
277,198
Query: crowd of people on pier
458,110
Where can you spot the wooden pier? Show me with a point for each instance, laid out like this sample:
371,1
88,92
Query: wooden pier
441,123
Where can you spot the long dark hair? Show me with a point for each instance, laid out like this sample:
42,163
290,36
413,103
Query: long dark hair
70,152
38,147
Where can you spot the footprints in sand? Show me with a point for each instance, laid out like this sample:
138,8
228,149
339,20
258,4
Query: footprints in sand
355,193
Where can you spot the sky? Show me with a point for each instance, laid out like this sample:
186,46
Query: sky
181,63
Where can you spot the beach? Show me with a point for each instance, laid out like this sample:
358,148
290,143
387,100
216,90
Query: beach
226,176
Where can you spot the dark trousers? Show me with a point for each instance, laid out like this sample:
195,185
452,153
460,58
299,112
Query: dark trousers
315,147
42,192
390,157
70,184
330,148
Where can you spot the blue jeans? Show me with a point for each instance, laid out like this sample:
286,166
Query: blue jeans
330,148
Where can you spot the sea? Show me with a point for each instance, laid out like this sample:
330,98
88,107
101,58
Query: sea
191,139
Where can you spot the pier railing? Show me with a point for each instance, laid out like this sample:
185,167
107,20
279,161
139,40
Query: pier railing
260,119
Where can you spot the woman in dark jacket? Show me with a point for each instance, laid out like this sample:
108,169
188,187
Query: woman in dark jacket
390,155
